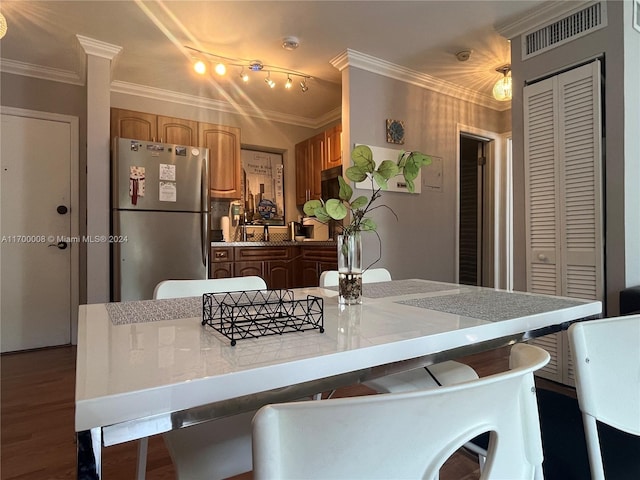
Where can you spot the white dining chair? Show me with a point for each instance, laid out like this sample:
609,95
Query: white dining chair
440,374
406,435
606,357
329,278
216,449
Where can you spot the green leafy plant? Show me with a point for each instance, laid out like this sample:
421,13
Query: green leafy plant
408,164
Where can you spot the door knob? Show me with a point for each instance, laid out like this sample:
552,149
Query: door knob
60,245
62,209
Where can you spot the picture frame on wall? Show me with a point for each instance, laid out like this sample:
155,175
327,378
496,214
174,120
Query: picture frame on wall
395,131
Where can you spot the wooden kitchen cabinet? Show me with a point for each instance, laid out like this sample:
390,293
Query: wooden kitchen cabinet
309,157
320,152
223,143
178,131
153,128
221,262
333,148
273,264
281,267
315,260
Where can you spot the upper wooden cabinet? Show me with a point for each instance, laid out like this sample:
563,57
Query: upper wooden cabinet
309,155
223,143
320,152
153,128
333,156
224,159
178,131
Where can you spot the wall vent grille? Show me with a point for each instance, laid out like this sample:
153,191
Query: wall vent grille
569,28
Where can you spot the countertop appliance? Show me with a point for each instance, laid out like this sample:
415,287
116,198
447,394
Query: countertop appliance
160,216
315,229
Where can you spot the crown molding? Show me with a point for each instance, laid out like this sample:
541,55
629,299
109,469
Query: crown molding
38,71
538,16
98,48
65,76
362,61
221,106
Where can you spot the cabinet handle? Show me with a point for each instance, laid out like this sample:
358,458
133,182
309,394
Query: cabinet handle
221,254
542,257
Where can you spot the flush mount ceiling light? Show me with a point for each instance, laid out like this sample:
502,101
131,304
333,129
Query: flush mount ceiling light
290,43
502,90
3,25
203,60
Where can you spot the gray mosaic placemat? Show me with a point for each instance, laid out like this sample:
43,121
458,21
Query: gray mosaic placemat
399,287
491,305
154,310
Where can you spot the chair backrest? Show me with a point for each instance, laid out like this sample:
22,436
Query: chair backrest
406,435
329,278
607,368
194,288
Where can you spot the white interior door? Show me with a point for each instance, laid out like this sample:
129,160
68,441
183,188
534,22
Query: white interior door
37,295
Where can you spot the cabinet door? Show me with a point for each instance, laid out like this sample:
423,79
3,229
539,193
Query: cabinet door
309,276
333,156
178,131
221,270
136,125
278,274
302,159
247,269
314,165
224,159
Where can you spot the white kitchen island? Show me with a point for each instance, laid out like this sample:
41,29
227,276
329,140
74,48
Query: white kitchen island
144,368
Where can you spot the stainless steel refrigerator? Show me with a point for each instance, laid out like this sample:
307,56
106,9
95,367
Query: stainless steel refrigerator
160,216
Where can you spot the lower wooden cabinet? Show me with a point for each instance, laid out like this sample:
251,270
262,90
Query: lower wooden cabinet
280,266
314,261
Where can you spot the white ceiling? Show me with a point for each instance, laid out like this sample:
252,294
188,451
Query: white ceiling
422,36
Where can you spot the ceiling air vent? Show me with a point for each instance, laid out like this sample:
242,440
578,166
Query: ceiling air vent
574,25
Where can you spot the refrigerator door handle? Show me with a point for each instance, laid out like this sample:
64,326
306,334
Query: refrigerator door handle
205,236
205,206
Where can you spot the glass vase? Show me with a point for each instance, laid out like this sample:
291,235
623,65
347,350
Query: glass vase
350,269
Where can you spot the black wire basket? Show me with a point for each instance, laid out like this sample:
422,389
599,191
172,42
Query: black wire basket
257,313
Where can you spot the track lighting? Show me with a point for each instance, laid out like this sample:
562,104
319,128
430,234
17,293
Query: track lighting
246,69
200,67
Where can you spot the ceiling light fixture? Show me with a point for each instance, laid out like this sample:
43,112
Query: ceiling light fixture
3,26
246,67
503,90
290,43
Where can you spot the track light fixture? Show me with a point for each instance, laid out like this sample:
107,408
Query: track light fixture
204,59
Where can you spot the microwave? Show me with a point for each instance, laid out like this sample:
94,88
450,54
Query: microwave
330,188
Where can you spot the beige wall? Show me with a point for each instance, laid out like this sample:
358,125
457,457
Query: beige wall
421,243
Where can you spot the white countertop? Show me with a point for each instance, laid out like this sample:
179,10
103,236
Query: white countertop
135,370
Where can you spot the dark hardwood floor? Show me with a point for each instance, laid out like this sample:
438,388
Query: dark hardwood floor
37,438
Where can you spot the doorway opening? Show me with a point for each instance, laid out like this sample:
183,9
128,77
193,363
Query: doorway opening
475,229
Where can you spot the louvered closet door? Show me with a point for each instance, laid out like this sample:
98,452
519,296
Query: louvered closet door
563,196
541,188
580,169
